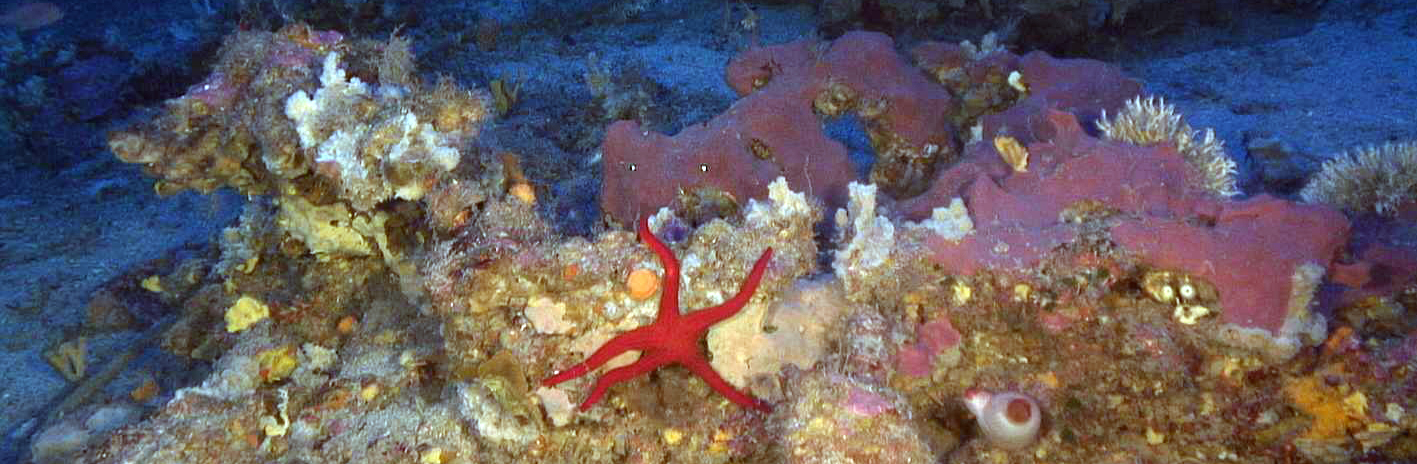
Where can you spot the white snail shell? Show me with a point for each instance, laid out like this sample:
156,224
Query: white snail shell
1009,420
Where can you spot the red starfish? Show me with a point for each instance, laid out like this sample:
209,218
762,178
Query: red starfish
673,338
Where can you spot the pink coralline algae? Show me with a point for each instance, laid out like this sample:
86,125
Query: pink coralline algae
1255,252
865,403
1082,87
1382,265
773,130
933,339
216,91
1264,255
290,55
1016,214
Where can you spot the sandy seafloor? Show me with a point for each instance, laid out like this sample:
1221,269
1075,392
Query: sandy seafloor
72,217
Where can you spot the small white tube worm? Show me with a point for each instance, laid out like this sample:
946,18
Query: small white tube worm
1009,420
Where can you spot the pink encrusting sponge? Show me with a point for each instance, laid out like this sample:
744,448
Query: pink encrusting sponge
1009,420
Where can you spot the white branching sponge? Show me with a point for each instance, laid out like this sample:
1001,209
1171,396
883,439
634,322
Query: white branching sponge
1151,120
373,142
1368,179
866,240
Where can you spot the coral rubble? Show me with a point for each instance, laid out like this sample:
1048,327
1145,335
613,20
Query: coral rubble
328,126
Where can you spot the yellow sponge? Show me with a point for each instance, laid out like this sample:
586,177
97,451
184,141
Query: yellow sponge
245,312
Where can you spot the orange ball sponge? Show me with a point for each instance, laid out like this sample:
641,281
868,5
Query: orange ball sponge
642,283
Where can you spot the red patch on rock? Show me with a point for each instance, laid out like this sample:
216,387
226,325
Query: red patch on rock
1385,261
931,339
1082,87
998,248
865,403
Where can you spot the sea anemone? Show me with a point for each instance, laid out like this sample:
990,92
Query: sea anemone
1374,179
1151,120
1009,420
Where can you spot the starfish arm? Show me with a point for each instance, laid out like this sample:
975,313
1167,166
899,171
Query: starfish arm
646,363
669,296
671,338
706,317
700,367
637,339
568,374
